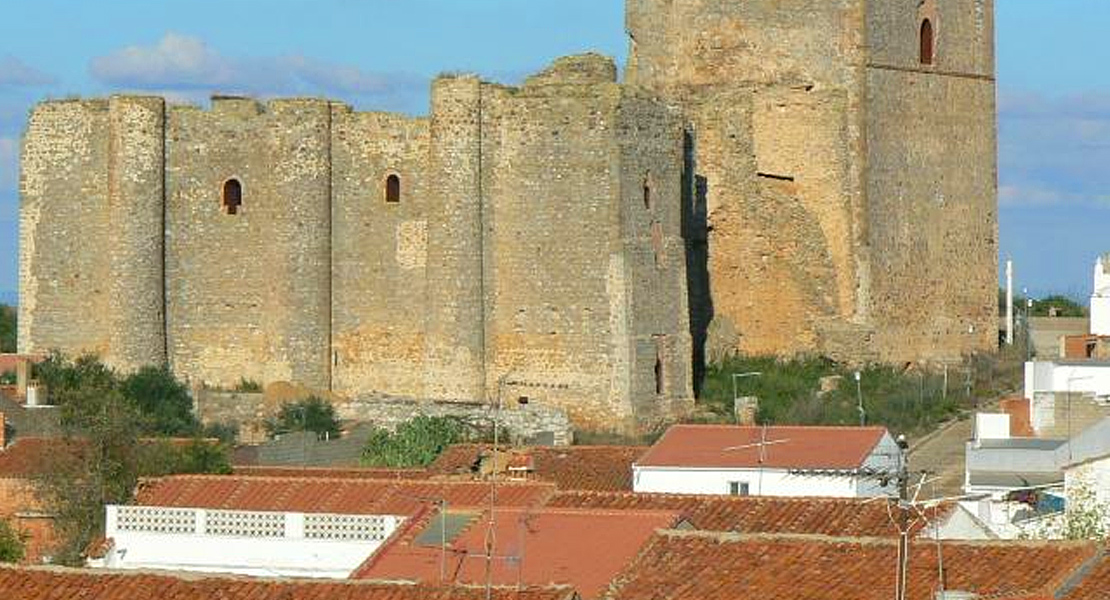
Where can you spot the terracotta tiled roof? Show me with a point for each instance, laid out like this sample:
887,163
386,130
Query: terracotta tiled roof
9,362
824,516
51,584
1096,584
30,456
726,446
582,549
339,496
685,566
598,468
330,473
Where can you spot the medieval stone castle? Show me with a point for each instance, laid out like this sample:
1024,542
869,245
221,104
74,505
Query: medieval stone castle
771,176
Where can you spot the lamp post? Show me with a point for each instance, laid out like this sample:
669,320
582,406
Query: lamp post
859,399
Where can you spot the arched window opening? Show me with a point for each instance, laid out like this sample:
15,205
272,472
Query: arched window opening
927,42
232,196
393,189
658,376
647,194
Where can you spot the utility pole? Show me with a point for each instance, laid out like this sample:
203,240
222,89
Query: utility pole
1009,302
904,506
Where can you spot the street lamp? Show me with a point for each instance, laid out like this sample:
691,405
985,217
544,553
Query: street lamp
859,399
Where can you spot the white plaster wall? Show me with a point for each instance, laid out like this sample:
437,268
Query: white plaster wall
1050,377
290,556
1100,315
766,482
1094,475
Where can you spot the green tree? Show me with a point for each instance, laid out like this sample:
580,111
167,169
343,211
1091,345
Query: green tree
1060,305
65,378
311,414
8,322
163,400
99,465
11,543
415,443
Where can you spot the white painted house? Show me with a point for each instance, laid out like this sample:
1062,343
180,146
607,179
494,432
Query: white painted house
260,544
839,462
1100,299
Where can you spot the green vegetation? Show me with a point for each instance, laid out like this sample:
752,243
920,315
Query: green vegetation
1059,306
248,386
905,401
1053,305
11,543
416,443
163,403
115,433
311,414
8,322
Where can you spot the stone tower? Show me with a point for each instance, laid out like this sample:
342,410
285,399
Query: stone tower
846,157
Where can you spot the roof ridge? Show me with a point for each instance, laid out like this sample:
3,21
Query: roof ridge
363,481
739,537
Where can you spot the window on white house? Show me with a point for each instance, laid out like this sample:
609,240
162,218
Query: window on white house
738,488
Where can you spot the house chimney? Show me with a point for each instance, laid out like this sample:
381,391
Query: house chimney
746,410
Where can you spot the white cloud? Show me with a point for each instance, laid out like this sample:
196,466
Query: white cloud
1054,151
16,73
188,66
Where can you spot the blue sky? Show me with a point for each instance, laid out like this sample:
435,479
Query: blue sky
1053,86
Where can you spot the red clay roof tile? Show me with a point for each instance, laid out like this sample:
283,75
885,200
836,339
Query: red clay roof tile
330,473
583,549
825,516
341,496
598,468
30,456
700,566
785,447
51,584
1095,585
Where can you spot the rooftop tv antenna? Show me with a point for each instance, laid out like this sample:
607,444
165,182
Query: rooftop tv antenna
762,444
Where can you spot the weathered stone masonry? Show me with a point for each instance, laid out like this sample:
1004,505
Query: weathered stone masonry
851,190
535,251
803,175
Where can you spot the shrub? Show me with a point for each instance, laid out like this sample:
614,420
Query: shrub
11,543
415,443
164,401
248,386
8,327
311,414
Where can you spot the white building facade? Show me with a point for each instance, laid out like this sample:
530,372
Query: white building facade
1100,299
260,544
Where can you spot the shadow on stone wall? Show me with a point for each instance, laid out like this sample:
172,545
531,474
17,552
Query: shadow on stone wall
695,227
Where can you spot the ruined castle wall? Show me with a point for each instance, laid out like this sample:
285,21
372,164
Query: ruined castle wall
652,143
64,229
932,183
455,355
249,293
773,91
380,290
550,177
135,317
